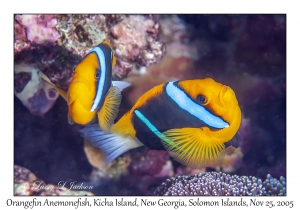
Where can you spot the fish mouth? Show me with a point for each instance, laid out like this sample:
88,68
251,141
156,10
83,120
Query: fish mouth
81,80
78,80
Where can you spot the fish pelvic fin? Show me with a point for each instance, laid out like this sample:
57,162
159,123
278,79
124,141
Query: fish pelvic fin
235,141
193,148
70,120
121,84
108,112
111,145
61,92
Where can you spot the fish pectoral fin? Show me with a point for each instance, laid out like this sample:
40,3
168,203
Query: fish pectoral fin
192,147
121,84
108,112
235,141
111,145
61,92
70,120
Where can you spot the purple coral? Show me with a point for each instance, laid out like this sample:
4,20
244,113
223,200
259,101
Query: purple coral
221,184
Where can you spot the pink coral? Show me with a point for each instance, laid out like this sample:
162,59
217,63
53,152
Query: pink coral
40,28
151,163
136,39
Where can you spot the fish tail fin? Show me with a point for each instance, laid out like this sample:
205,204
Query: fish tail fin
112,145
121,84
192,147
61,92
108,112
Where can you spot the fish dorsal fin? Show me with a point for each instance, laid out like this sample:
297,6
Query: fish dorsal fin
193,148
108,112
113,59
121,84
235,141
106,42
61,92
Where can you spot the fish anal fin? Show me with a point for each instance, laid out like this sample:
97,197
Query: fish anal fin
61,92
108,112
235,141
193,148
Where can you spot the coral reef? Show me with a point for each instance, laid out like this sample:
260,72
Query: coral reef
80,33
151,167
55,44
150,163
37,29
136,40
221,184
26,183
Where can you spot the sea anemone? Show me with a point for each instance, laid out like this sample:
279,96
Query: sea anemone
221,184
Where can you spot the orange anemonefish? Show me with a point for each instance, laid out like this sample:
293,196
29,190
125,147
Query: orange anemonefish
194,120
92,90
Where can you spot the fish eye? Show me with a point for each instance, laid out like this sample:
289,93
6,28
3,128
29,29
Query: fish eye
201,99
97,74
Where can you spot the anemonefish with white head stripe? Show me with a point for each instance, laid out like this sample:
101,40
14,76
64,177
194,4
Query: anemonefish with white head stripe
194,120
92,91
